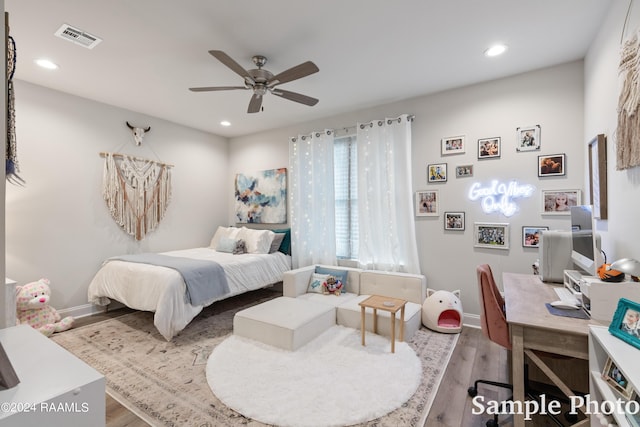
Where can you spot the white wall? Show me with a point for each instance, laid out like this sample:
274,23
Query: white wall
552,98
58,226
620,233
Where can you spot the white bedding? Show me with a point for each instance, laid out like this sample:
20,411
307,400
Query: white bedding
162,290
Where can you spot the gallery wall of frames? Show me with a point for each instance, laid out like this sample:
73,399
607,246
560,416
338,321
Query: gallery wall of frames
502,196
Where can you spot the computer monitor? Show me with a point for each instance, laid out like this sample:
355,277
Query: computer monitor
585,252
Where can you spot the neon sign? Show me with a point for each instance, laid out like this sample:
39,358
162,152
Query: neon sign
499,196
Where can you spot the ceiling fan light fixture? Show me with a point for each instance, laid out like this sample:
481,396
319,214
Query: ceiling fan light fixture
495,50
261,81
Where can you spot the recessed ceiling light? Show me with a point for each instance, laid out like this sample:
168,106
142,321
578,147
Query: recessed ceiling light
45,63
495,50
225,123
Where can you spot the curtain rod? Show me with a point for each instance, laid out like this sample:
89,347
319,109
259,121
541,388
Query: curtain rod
352,129
410,118
104,154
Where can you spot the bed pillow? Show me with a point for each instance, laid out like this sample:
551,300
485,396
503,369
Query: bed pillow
257,241
230,232
315,283
338,274
277,241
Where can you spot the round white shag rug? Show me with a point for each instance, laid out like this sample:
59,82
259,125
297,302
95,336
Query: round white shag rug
331,381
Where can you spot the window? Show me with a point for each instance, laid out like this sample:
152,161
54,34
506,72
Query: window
346,195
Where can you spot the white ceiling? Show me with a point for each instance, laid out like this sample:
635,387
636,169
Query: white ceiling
370,52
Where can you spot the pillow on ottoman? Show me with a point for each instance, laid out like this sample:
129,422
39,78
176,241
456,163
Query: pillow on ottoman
338,274
315,283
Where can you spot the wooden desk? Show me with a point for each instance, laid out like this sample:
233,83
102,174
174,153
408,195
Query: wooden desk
532,327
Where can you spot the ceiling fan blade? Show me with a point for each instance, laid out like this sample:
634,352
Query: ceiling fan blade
293,96
255,103
233,65
294,73
213,88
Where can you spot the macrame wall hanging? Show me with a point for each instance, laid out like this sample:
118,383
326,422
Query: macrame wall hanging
11,162
137,192
628,129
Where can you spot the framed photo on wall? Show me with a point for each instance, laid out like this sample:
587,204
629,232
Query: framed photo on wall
559,202
437,172
452,145
464,171
598,176
528,138
531,236
427,202
491,235
551,165
454,221
489,148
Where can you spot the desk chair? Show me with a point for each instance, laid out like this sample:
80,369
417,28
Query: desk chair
493,322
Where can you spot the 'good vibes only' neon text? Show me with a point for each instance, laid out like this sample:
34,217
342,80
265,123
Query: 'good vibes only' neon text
499,196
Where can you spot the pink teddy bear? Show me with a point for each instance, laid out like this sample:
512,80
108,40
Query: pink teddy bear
32,304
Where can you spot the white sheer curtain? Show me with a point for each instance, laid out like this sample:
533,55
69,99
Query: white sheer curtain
385,202
312,199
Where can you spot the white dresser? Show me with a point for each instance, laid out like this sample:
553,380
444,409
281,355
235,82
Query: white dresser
56,388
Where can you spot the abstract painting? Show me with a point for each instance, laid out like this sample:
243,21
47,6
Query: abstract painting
262,198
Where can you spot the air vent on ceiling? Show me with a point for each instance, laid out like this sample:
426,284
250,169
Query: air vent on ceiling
77,36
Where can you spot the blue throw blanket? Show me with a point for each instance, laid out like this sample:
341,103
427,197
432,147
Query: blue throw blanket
205,279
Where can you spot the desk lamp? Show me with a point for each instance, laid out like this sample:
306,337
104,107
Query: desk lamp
627,265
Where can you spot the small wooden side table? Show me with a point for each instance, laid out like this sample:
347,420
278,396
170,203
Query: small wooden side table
392,305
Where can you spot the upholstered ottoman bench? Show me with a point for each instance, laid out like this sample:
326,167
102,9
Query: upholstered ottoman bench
287,323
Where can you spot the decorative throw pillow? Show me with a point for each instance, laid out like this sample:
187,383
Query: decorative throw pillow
226,244
240,248
316,283
285,246
340,275
277,241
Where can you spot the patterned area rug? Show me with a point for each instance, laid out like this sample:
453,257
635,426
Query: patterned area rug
165,383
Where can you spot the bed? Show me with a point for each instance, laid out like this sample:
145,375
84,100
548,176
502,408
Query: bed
162,290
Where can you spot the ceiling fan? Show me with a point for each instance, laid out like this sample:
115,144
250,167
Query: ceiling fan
261,81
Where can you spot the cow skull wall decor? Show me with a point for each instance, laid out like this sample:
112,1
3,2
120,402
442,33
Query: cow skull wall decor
138,133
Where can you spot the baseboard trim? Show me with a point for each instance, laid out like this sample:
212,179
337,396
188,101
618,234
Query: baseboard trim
471,320
89,309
